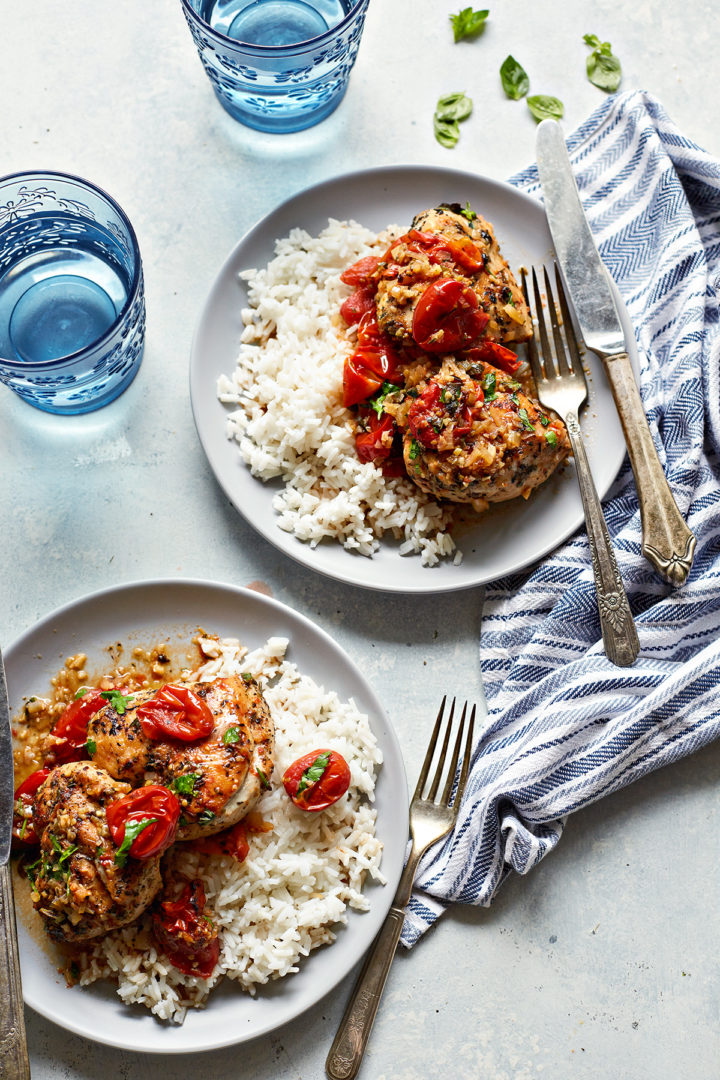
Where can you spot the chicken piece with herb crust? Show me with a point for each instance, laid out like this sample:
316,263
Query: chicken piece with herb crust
77,885
217,777
448,243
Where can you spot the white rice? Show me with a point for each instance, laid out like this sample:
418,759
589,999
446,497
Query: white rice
291,893
291,422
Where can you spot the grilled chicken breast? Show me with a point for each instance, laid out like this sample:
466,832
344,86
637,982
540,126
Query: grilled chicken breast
77,888
218,778
471,435
412,267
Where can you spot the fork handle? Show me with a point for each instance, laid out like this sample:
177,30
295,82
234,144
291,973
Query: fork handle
667,541
616,621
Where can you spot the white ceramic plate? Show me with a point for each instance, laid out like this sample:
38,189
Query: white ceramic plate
505,539
146,613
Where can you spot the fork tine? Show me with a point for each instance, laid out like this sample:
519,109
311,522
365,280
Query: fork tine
560,350
467,754
570,339
532,349
550,369
431,749
443,756
453,764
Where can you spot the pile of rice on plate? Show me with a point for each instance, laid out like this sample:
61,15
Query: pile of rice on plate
291,422
292,891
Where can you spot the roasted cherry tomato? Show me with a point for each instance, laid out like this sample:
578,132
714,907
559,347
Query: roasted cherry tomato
497,355
72,727
375,444
358,304
233,841
187,936
447,317
317,780
360,273
359,383
175,712
439,249
23,830
143,823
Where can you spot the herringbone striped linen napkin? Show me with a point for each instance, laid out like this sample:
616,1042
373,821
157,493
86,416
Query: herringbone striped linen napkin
566,727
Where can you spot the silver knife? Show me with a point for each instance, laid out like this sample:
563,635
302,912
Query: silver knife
13,1044
667,541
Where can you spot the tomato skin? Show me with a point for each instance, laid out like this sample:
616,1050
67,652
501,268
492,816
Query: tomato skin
23,830
187,938
331,786
358,383
151,801
233,841
447,317
373,362
497,355
373,445
357,305
175,712
439,249
72,727
360,273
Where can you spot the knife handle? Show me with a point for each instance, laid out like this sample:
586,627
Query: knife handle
667,541
13,1045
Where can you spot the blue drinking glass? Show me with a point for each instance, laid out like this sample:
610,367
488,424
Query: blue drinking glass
277,65
72,304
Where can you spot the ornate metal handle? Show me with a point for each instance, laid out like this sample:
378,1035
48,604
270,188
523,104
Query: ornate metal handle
667,541
616,621
13,1047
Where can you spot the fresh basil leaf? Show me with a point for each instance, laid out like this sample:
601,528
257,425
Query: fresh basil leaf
545,107
119,701
80,692
90,747
314,772
489,385
525,420
551,437
603,68
468,23
414,449
231,736
377,402
514,78
447,132
185,784
456,106
132,831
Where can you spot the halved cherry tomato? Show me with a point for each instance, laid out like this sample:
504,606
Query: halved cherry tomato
23,830
317,780
358,304
361,271
152,803
187,936
497,355
71,727
376,443
358,383
175,712
460,250
447,317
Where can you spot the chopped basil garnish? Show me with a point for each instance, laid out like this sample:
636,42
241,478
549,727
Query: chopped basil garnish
263,778
525,420
468,213
551,437
603,68
449,111
132,831
414,449
231,736
378,401
81,692
468,23
118,700
90,747
546,107
489,385
185,784
544,420
247,677
514,79
314,772
54,868
206,817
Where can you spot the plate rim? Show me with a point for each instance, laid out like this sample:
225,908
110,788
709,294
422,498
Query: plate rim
382,728
289,545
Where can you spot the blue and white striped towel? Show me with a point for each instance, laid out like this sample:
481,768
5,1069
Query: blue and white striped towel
566,727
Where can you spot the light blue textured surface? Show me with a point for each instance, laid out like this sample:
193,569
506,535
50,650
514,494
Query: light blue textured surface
600,965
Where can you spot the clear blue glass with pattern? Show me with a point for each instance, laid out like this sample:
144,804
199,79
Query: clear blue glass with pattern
277,65
72,303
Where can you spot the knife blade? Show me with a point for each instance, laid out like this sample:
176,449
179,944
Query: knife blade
667,542
13,1044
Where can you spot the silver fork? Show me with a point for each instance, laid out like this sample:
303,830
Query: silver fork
561,386
431,818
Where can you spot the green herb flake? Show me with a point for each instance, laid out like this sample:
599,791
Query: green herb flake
185,784
118,700
468,23
378,401
551,438
514,78
206,817
132,831
603,68
489,385
314,772
231,736
80,692
525,419
246,677
263,778
544,420
414,449
449,111
90,747
546,107
468,214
